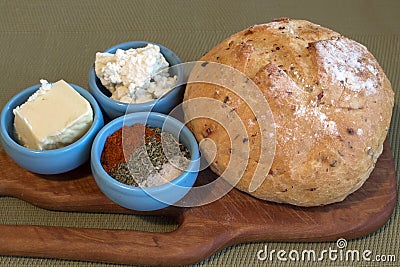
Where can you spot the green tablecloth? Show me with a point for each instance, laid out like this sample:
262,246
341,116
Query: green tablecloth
58,40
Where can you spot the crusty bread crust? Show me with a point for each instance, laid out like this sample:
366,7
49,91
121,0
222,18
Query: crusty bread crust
331,102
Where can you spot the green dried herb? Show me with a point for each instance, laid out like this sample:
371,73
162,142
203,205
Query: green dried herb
149,158
123,174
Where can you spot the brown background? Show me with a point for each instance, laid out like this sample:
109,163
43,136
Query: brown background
58,40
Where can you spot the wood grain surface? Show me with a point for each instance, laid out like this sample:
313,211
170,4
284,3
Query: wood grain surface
202,231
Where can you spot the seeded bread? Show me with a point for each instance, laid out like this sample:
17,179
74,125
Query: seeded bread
330,100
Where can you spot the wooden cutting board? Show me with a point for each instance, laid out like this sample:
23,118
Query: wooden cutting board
202,231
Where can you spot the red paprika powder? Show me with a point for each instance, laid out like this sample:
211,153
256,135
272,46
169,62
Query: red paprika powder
127,138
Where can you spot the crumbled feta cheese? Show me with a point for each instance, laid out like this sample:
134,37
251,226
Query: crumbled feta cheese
135,75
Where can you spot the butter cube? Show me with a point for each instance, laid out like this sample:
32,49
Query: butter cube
54,116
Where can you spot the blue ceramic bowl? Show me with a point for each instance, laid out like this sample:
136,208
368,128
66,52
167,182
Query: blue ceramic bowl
48,161
165,104
150,198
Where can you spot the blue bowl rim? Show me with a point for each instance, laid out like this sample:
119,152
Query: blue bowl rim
194,153
97,118
127,45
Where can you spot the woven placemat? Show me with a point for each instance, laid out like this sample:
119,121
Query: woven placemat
58,39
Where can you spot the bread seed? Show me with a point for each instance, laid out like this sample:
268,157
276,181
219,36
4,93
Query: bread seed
350,131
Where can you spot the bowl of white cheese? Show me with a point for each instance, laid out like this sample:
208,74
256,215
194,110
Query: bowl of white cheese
136,76
49,128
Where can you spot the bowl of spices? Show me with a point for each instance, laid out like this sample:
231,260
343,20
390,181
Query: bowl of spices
135,77
145,161
49,128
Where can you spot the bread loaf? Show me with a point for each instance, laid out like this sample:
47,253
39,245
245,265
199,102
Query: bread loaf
331,103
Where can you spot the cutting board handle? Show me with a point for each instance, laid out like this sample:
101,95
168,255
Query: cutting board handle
189,243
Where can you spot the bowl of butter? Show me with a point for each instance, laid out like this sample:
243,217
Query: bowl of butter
136,76
49,128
